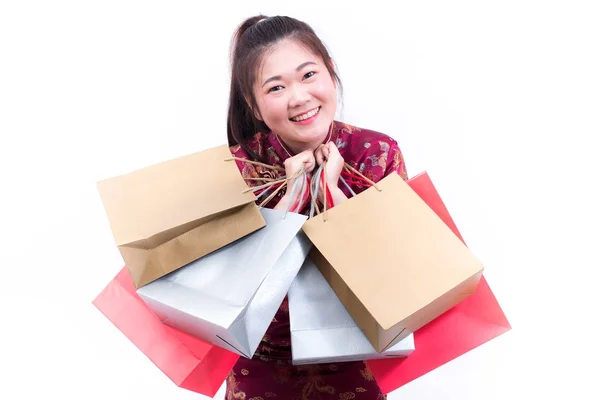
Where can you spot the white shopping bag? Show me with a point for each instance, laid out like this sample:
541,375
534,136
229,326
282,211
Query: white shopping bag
323,331
229,297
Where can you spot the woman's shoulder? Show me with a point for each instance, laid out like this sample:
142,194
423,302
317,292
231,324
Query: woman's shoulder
256,149
363,137
369,150
255,143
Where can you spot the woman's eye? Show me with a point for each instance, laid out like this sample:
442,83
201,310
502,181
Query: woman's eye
309,74
274,88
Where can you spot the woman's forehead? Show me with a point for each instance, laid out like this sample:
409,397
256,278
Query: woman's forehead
285,58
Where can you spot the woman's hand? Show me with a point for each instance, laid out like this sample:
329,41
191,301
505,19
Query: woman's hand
335,163
293,166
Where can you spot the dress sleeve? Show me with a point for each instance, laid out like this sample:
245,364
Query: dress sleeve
395,161
246,169
255,175
375,158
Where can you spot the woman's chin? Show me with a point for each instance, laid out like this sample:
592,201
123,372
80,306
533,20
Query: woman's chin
314,133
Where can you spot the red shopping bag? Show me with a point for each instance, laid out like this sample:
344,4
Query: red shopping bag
189,362
471,323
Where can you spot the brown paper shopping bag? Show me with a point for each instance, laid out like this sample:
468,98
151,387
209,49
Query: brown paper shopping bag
167,215
392,262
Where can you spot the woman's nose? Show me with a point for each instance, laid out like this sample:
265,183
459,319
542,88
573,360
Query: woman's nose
299,97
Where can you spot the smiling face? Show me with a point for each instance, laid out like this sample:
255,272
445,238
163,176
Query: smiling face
296,96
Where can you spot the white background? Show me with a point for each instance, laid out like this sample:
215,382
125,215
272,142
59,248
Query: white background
499,101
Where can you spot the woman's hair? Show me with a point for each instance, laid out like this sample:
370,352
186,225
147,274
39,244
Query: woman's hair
253,38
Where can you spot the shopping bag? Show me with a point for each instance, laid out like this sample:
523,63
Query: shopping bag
229,297
189,362
168,214
391,260
322,331
473,322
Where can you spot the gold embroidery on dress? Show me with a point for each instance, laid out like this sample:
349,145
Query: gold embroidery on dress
248,171
347,396
266,349
384,146
360,390
313,383
233,393
366,373
382,161
402,167
257,139
273,155
258,171
397,159
265,346
350,129
370,175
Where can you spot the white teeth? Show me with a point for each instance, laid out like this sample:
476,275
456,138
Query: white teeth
306,116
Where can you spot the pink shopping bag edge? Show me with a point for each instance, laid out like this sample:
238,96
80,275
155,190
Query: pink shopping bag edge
384,370
195,363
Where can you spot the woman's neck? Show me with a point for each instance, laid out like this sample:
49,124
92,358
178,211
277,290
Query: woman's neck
298,147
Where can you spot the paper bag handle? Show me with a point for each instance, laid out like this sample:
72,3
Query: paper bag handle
354,173
274,167
313,189
321,176
278,183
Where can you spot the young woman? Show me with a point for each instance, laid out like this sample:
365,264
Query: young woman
282,104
